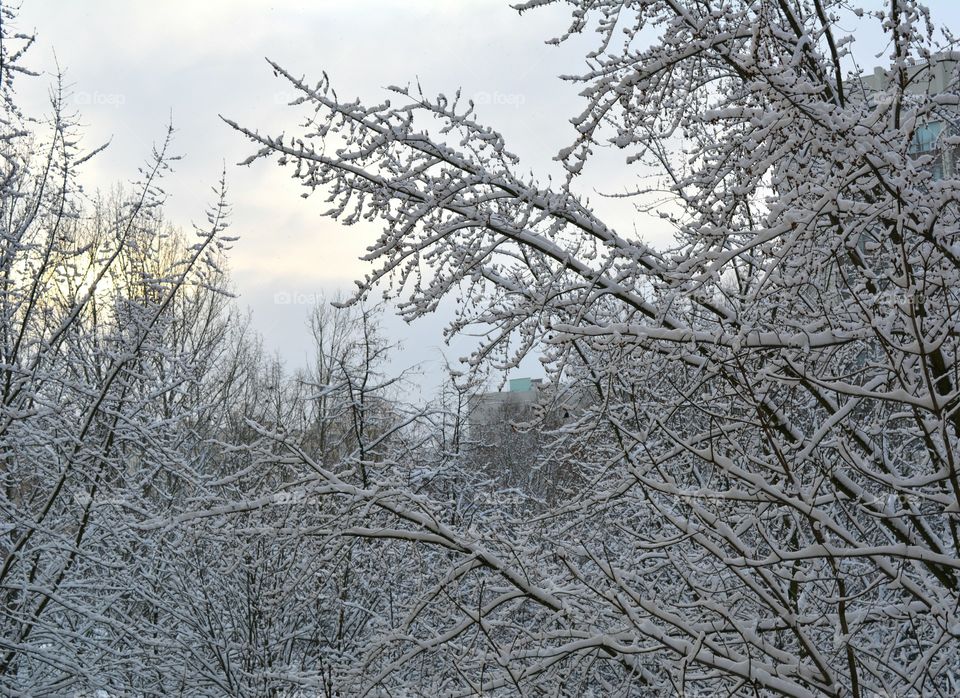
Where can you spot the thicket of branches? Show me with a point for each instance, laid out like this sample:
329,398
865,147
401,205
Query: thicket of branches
768,492
755,493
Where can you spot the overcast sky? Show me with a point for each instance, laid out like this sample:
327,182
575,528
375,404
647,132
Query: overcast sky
134,65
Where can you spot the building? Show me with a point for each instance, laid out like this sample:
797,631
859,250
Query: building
507,435
489,409
926,79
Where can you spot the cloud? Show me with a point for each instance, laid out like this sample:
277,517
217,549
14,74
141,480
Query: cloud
133,66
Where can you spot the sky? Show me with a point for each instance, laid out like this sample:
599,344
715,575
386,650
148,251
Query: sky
132,67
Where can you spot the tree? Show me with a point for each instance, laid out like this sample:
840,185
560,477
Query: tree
256,591
774,496
156,536
96,398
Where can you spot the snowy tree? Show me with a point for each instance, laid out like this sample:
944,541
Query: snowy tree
772,498
97,396
164,526
257,591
